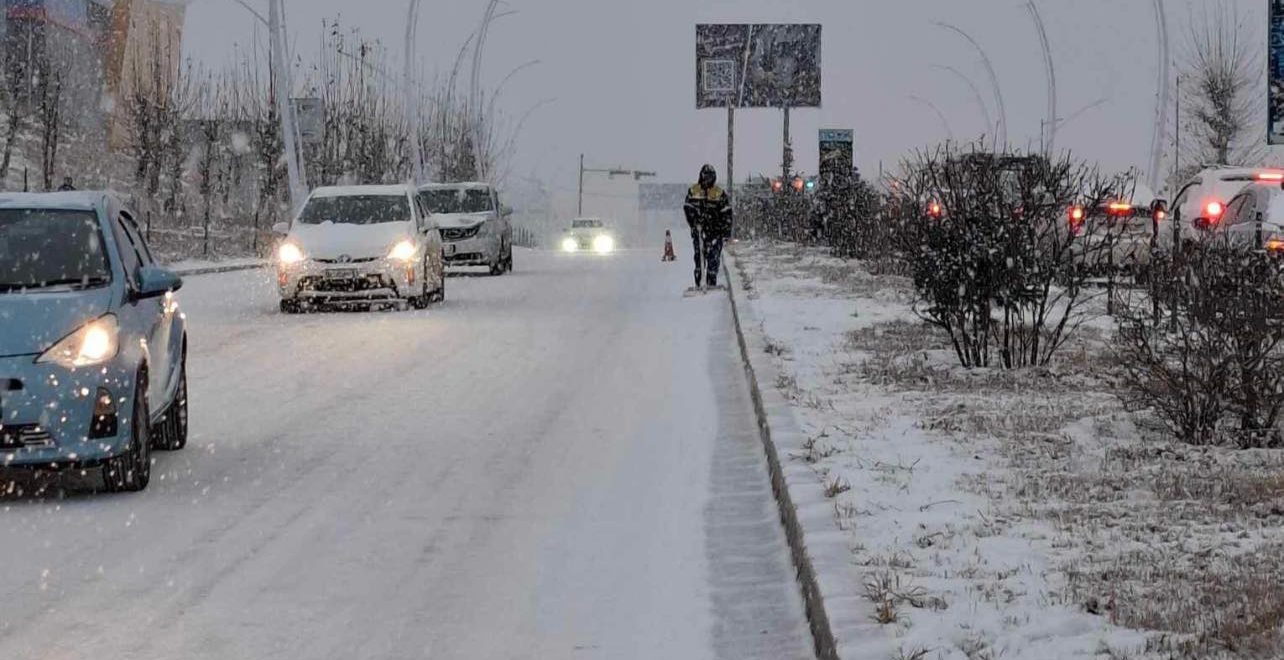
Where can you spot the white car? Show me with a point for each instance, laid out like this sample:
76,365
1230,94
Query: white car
1200,204
360,245
588,234
1254,204
476,227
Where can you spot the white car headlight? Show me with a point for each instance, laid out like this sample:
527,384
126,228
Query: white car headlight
570,244
404,251
289,254
94,343
603,244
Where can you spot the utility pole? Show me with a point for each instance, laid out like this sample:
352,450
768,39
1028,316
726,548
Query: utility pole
788,160
612,172
412,93
281,81
731,150
1161,102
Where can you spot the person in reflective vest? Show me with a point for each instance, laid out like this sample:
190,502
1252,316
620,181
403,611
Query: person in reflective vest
708,214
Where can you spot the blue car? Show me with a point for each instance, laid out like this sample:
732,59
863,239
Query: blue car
93,349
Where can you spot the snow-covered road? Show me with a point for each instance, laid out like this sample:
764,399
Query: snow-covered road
561,463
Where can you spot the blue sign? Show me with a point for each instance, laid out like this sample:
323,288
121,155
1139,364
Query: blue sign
1275,94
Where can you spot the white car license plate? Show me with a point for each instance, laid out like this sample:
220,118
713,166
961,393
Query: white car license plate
340,274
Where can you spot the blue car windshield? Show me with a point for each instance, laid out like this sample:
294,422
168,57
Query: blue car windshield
41,248
356,210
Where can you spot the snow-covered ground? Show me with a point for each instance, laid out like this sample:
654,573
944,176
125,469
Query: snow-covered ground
1006,515
560,463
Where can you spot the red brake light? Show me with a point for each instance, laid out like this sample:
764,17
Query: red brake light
1214,210
798,184
1161,214
1076,214
1119,208
935,210
1270,176
776,185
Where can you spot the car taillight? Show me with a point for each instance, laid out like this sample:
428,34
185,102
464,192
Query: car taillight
1119,208
1076,214
1270,176
935,210
1213,211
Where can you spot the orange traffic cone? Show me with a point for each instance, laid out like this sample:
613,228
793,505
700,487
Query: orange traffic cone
668,247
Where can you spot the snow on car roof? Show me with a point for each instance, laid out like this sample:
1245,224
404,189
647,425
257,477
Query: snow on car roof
352,191
79,199
462,185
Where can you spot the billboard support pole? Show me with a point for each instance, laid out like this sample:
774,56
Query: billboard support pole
788,161
731,157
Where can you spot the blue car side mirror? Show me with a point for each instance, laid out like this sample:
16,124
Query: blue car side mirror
154,281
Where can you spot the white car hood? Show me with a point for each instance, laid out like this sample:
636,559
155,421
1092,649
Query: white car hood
331,241
457,220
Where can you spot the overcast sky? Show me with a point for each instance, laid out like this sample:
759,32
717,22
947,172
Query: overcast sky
622,73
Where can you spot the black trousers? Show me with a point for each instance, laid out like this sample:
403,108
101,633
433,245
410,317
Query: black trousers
707,251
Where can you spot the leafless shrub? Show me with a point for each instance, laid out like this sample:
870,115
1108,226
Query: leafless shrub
998,266
1211,353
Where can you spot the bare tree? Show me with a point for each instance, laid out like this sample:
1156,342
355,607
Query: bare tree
1222,88
50,116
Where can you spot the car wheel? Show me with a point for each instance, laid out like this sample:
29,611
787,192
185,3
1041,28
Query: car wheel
132,471
290,307
440,294
173,436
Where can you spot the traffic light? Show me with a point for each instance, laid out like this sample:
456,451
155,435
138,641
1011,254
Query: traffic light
811,184
777,186
799,183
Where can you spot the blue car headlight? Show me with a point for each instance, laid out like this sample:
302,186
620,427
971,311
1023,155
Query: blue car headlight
93,344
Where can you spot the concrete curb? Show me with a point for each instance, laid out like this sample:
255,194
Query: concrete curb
214,270
775,418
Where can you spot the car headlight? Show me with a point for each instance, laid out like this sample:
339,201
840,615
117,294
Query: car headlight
403,251
570,244
94,343
289,254
603,244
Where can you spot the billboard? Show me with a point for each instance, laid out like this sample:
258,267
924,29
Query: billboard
1275,94
758,66
661,196
836,157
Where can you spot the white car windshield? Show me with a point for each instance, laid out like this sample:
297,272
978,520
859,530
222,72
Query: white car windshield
44,248
356,210
457,200
586,224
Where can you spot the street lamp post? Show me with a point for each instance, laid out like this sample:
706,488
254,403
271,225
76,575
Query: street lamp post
944,122
1049,140
280,74
411,92
994,80
976,94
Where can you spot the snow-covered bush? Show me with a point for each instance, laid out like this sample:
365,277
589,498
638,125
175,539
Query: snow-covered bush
1204,351
996,261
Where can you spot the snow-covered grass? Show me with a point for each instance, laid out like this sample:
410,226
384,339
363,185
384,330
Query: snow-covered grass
1011,514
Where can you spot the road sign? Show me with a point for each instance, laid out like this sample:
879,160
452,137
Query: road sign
758,66
310,115
836,160
1275,117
